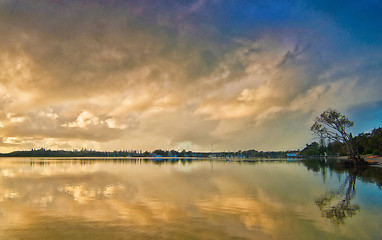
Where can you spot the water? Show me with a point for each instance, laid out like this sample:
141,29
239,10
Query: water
142,199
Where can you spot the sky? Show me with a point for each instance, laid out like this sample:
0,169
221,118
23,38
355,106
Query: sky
192,74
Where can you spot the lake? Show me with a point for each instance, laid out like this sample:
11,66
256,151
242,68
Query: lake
179,199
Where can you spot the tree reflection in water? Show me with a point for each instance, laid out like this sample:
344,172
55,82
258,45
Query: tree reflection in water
336,205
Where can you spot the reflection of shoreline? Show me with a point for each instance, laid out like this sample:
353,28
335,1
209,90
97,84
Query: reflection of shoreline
369,174
141,160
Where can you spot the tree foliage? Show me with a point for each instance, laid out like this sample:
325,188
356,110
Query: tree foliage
370,143
333,125
313,149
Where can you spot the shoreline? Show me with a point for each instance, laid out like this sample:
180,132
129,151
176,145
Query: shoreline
377,162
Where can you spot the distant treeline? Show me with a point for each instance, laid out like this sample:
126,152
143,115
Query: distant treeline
365,143
157,153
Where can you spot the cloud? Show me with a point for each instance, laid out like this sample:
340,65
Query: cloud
84,120
146,75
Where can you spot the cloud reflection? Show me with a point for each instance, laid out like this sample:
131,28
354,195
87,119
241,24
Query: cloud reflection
236,200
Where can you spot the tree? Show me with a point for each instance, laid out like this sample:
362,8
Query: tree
336,148
370,143
311,149
333,126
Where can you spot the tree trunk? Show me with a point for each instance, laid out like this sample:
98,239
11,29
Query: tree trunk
352,152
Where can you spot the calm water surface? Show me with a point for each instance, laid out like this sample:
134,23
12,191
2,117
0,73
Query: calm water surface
142,199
